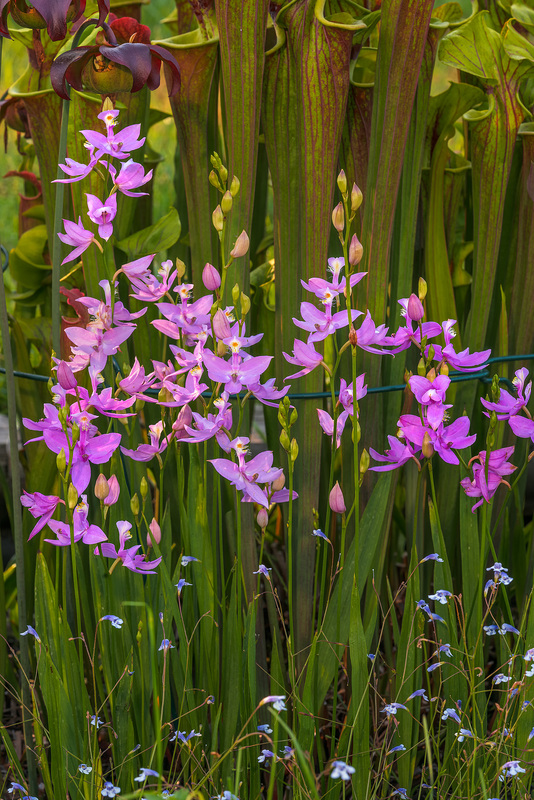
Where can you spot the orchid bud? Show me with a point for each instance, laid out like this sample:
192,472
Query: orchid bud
102,488
223,172
338,218
284,441
353,336
336,500
415,310
62,414
364,462
143,488
114,491
422,289
355,251
61,461
431,353
139,404
293,417
107,105
356,198
263,518
214,180
241,246
218,219
431,375
427,446
180,268
444,369
134,505
279,483
185,417
234,186
65,376
294,450
72,496
221,348
211,278
226,202
357,429
220,324
164,396
154,533
75,433
421,367
342,182
236,294
245,305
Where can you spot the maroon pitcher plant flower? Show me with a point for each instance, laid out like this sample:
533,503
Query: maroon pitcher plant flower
123,60
54,15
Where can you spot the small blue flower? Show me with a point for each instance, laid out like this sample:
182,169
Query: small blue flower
85,769
432,557
396,749
423,606
278,701
187,560
265,729
440,596
109,790
371,656
146,773
265,756
165,645
320,535
418,693
402,793
391,709
263,571
432,667
445,648
15,785
288,752
510,770
180,735
181,583
96,721
226,795
32,632
491,630
506,628
210,699
342,770
450,713
500,678
117,622
462,733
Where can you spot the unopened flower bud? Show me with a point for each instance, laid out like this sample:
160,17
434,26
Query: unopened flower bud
72,496
431,353
355,251
134,505
336,499
236,293
241,246
357,429
62,414
263,518
294,450
338,218
364,462
444,369
61,461
75,432
221,349
223,172
431,375
234,186
139,404
342,182
415,310
293,417
214,180
284,441
356,198
180,268
218,219
422,289
143,488
101,487
245,305
226,202
353,336
114,491
427,446
421,368
65,376
185,417
164,396
279,483
154,533
107,105
221,325
211,278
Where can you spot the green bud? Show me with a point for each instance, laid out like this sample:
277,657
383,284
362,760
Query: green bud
75,433
61,461
364,462
101,487
180,268
342,182
294,416
236,294
72,496
143,488
214,180
226,202
421,368
139,404
493,420
358,430
218,219
422,289
294,450
356,198
223,172
431,353
338,218
215,161
490,439
234,186
427,446
134,505
62,415
245,305
284,441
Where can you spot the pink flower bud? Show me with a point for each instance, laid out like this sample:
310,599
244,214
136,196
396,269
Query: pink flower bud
211,278
263,518
241,246
65,376
185,417
101,487
221,326
154,533
336,499
415,310
114,491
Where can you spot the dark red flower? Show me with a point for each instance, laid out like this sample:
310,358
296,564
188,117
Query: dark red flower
50,14
123,61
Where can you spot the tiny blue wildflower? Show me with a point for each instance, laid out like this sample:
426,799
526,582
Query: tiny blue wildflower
278,701
117,622
436,618
265,729
32,632
423,606
418,693
450,713
531,734
96,721
320,535
525,705
506,628
187,560
513,691
263,571
500,574
265,756
396,749
371,656
401,792
182,737
432,667
391,709
109,790
510,770
146,773
440,596
491,630
181,583
226,795
210,699
165,645
432,557
445,648
462,733
85,769
500,678
287,752
15,785
342,770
